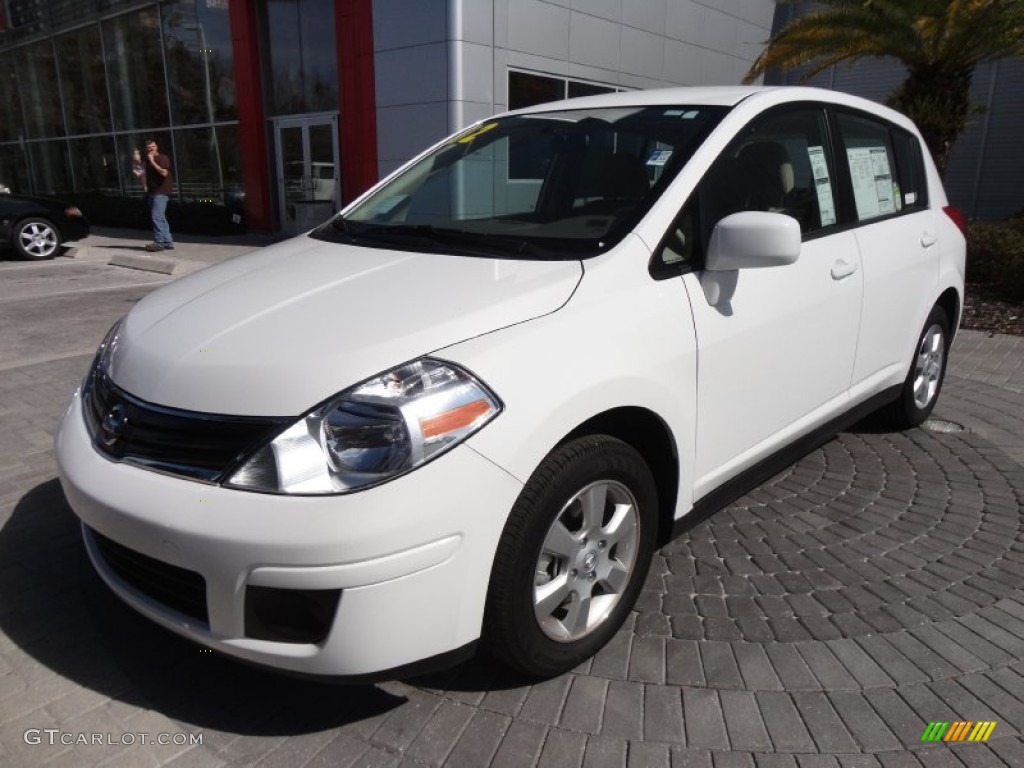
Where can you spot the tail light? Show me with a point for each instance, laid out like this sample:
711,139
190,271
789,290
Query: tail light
958,218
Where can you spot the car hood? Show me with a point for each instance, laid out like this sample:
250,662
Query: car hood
26,202
275,332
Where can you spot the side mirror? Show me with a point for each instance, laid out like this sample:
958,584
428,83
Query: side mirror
746,240
753,239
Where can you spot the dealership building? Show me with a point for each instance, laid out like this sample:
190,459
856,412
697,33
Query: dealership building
280,111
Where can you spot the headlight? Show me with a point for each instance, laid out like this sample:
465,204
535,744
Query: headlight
372,432
106,349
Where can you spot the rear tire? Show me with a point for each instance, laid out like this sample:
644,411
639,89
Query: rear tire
36,239
927,371
573,556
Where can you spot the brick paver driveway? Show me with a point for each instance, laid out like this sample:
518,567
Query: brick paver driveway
822,620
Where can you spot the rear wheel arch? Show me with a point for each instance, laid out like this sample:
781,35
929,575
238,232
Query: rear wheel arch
950,304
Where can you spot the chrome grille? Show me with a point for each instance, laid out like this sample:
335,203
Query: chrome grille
201,446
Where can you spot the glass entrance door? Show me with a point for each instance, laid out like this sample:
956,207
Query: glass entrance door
308,179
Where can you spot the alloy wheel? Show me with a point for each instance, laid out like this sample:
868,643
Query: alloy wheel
39,240
586,560
928,366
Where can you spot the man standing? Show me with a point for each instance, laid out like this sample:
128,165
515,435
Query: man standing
159,186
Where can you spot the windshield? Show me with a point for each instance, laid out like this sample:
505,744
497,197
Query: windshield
555,185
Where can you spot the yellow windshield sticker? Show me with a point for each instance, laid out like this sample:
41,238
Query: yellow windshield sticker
475,132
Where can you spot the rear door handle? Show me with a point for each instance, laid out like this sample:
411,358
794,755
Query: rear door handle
843,268
928,239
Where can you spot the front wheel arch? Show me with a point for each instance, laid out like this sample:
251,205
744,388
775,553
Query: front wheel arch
648,434
554,524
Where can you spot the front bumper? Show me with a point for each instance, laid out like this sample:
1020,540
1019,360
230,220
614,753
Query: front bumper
410,559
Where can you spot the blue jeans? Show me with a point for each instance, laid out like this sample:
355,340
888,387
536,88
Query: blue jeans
161,229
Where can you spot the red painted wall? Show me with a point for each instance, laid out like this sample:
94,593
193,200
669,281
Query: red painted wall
252,131
358,124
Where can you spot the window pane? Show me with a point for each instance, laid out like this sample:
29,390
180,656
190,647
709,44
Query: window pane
138,92
10,126
83,83
231,166
37,81
302,57
95,165
319,55
872,166
50,167
910,170
13,169
778,163
525,90
587,89
321,161
134,187
198,165
198,42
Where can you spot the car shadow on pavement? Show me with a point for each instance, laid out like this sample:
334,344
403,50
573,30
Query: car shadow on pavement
56,609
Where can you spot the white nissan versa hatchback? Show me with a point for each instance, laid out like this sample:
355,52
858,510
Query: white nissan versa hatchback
470,406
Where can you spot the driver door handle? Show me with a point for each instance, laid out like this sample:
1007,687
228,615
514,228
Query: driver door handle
843,268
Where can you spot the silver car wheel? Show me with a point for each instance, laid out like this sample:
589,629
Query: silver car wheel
928,366
38,239
586,560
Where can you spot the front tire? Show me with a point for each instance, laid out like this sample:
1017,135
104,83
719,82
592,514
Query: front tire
36,239
573,556
927,371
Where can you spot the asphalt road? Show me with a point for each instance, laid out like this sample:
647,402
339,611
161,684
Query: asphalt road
62,308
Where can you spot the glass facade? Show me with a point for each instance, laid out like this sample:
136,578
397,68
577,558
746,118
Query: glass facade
83,83
82,76
301,57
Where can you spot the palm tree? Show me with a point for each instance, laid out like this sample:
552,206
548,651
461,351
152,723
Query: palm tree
939,41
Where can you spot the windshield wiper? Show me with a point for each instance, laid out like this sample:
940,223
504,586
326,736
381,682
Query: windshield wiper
478,243
434,239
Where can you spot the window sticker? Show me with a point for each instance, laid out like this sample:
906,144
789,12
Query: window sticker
659,157
872,181
466,138
822,185
910,198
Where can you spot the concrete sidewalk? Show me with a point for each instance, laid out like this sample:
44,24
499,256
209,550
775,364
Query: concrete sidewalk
127,248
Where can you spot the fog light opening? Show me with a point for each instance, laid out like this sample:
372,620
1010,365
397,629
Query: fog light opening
290,615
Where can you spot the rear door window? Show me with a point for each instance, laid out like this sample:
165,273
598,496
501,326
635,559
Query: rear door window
886,171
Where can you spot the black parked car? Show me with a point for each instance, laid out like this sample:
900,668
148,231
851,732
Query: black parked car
37,227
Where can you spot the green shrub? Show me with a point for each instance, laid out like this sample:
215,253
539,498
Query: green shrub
995,255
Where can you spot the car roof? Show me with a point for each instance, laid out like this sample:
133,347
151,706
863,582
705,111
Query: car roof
724,96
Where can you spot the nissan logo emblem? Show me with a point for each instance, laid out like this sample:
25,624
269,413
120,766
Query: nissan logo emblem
114,423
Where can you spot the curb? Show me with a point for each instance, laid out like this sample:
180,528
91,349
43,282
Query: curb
163,265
